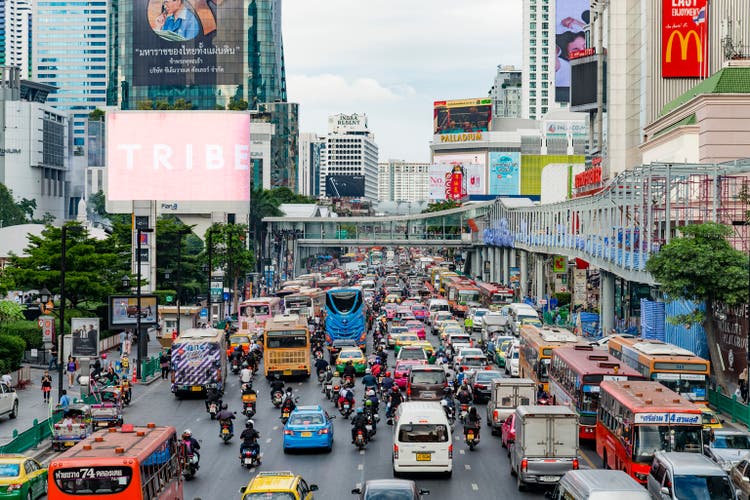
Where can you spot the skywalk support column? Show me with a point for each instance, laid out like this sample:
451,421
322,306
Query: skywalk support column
524,273
493,264
506,266
539,276
607,305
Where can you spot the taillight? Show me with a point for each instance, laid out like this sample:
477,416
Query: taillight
450,451
575,464
408,390
480,386
395,450
14,487
495,415
287,432
323,431
524,465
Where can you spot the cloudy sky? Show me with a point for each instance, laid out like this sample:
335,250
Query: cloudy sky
391,59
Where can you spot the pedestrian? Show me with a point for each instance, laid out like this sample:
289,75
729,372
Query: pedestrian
52,358
72,368
123,338
46,386
164,363
127,343
64,400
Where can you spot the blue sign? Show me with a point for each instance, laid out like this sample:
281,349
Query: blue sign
226,296
204,313
505,173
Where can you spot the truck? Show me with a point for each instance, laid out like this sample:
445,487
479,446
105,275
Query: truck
545,445
506,395
199,361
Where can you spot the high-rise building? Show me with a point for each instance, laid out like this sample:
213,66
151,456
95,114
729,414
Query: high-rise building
311,149
15,35
506,93
284,142
69,51
351,156
399,180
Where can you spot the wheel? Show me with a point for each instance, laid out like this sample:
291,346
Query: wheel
449,474
286,450
604,460
521,486
29,496
14,413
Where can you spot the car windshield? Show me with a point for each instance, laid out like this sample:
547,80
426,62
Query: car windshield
412,354
474,361
408,338
652,438
350,354
270,495
733,441
710,419
9,470
479,313
461,339
487,376
703,487
428,377
306,419
423,433
398,329
389,493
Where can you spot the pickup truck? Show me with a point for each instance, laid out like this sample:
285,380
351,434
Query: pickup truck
545,446
506,395
8,401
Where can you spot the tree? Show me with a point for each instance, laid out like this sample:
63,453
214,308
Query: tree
263,203
11,212
439,206
170,257
96,115
10,311
237,105
286,195
230,251
702,266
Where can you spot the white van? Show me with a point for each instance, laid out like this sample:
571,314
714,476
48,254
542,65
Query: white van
518,311
435,305
598,485
422,439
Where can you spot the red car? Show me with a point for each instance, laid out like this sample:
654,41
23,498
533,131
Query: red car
390,311
508,431
417,327
401,372
420,312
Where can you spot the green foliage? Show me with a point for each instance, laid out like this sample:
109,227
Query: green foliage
563,298
286,195
439,206
10,311
697,316
11,352
161,105
181,256
13,213
231,252
29,331
96,115
162,297
237,105
701,266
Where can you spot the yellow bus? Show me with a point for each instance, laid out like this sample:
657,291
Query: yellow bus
535,353
675,367
286,347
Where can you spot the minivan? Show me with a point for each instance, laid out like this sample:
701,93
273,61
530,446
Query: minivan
426,383
683,476
517,312
422,439
435,305
597,485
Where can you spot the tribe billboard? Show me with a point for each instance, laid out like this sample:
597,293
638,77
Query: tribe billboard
684,38
188,42
178,155
572,17
464,116
505,173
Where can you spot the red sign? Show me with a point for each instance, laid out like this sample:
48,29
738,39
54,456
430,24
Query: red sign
576,54
454,184
589,177
684,38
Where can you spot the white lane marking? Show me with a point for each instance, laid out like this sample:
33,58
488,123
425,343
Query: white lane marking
461,452
361,452
268,440
275,427
361,467
299,384
468,467
475,486
358,485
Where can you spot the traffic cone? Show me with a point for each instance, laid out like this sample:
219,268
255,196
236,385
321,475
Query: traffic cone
134,380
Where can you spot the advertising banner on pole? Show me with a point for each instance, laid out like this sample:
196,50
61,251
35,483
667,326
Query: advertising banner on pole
505,173
559,264
684,39
47,324
85,333
572,17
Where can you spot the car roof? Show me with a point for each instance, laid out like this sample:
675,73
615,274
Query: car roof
691,464
12,458
270,481
493,373
389,483
308,408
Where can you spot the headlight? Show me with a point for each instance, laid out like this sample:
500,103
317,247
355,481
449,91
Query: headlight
641,476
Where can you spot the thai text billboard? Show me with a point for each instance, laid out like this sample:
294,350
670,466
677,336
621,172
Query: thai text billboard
684,38
475,168
571,18
462,116
505,173
178,155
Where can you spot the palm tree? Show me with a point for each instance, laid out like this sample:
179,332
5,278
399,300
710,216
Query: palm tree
263,203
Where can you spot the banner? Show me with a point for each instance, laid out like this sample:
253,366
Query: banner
474,169
462,116
505,173
123,310
684,39
47,324
85,333
559,264
571,19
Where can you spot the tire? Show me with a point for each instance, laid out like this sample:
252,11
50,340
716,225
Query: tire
14,413
396,474
449,474
286,451
520,484
605,464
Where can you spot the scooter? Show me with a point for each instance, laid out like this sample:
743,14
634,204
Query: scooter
329,390
346,409
225,434
472,438
464,412
235,366
276,398
213,408
248,405
191,461
285,412
250,458
348,382
360,440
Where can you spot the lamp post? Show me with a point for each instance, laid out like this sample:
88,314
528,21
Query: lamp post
181,233
141,338
210,269
61,345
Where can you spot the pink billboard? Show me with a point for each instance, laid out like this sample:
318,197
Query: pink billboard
178,155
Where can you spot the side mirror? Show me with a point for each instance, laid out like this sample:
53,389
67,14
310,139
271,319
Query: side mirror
313,487
357,491
722,420
424,492
664,490
242,490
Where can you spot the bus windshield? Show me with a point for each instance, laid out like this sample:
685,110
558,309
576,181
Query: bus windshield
691,389
652,438
286,339
260,310
468,296
344,301
93,480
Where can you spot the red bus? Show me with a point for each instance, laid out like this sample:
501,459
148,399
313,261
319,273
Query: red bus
131,463
574,377
637,419
493,297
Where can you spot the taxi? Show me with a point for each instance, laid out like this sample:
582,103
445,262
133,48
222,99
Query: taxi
353,354
424,344
22,477
239,339
451,330
280,484
405,339
710,419
390,311
451,323
417,327
501,351
392,298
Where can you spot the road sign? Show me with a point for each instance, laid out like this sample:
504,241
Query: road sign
560,264
47,324
226,296
204,313
169,299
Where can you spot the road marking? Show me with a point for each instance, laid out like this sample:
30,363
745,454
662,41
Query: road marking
475,486
358,485
468,467
275,427
361,467
461,452
268,440
361,452
299,384
588,461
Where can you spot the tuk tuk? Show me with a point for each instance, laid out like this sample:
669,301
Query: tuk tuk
106,415
74,425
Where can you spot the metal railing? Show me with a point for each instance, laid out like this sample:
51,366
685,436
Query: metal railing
150,367
731,406
31,437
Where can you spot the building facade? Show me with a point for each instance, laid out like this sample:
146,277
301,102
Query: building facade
399,180
15,35
507,93
311,150
351,151
284,142
538,85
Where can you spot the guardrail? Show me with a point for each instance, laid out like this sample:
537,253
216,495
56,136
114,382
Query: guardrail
150,367
730,406
31,437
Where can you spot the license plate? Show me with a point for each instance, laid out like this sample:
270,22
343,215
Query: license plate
196,388
549,479
287,372
248,461
306,434
68,443
427,394
424,457
225,431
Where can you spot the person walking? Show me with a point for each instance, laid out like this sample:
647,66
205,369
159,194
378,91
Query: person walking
52,358
128,343
164,363
46,386
71,368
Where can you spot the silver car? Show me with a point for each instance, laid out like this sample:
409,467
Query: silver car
727,447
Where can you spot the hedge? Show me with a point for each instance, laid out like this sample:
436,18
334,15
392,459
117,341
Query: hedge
11,352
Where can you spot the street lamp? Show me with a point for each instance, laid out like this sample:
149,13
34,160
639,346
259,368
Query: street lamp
141,337
125,282
44,298
61,346
182,232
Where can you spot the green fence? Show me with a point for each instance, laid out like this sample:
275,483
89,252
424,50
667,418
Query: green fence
150,367
31,437
729,406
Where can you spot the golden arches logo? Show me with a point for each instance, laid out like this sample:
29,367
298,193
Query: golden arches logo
684,45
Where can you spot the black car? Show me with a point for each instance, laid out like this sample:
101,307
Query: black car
481,384
392,489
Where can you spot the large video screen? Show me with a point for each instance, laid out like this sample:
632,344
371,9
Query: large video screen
345,186
178,155
462,116
572,17
188,42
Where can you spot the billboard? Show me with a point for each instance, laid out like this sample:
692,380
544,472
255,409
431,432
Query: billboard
571,17
462,116
532,166
123,310
345,186
178,155
188,42
475,168
85,333
505,173
583,84
684,39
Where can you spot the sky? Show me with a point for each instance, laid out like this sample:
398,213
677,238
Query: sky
391,60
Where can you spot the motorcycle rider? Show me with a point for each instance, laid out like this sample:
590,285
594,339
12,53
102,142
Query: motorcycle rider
447,400
246,374
335,379
395,399
463,395
212,396
349,370
345,394
225,417
321,365
472,422
369,380
288,401
237,354
250,438
460,376
193,445
377,368
370,411
387,383
277,384
359,422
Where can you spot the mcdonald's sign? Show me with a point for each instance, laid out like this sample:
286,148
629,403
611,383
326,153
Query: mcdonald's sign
684,38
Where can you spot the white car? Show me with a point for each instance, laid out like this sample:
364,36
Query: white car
8,401
511,360
477,318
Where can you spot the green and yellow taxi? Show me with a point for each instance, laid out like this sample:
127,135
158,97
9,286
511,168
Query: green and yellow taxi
501,350
392,298
22,477
710,419
451,329
353,354
280,485
405,339
239,339
425,344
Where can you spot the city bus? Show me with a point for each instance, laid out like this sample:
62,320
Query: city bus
493,297
130,463
263,309
535,353
286,347
461,292
330,282
675,367
637,419
574,377
198,361
345,315
376,257
306,302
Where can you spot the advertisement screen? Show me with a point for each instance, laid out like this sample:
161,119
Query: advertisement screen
345,186
505,173
475,168
462,116
436,174
572,16
178,155
583,89
85,332
123,310
684,39
188,42
532,166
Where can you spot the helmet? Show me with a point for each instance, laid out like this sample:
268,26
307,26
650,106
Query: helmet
371,392
395,388
368,371
336,373
249,424
387,374
186,434
443,402
289,389
368,402
360,411
277,376
224,406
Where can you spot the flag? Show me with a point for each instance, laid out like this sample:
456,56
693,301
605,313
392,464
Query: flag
701,17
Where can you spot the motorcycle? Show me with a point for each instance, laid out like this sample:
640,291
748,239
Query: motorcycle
213,408
329,390
225,434
472,438
285,412
450,412
276,398
348,382
464,412
191,466
372,418
249,458
248,405
360,440
346,409
235,366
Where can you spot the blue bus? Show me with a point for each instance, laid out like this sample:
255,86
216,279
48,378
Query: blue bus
345,315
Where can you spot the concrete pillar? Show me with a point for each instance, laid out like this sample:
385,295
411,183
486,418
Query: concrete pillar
497,266
475,262
493,264
607,302
539,276
506,266
524,272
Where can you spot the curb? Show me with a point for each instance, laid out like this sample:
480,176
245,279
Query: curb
149,380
